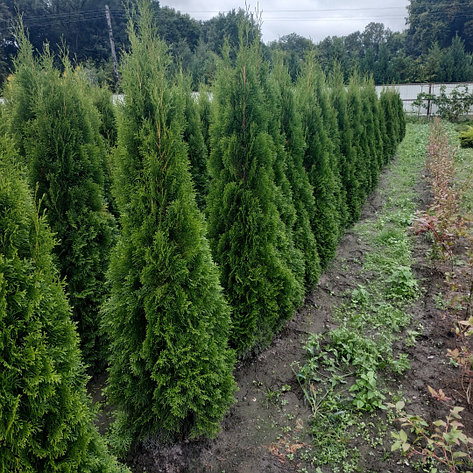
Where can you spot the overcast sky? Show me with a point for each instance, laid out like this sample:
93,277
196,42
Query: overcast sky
314,19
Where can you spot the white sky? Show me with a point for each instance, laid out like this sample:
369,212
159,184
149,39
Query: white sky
314,19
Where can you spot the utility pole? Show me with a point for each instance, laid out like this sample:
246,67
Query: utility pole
112,44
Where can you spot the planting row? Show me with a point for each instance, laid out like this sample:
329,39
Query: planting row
187,233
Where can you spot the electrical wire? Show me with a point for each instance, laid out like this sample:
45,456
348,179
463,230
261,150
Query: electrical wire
435,11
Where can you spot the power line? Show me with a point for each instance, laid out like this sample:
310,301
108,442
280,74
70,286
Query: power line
95,14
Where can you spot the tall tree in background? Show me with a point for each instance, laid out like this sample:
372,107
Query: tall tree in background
244,221
294,49
57,129
438,21
455,64
79,24
170,366
46,420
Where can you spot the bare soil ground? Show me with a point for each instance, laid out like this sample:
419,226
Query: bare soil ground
267,427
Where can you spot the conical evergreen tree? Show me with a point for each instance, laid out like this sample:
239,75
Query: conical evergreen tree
56,128
329,118
318,163
284,198
194,138
369,142
339,101
244,223
401,117
373,100
383,131
170,367
394,117
205,110
102,99
46,421
388,117
290,124
355,116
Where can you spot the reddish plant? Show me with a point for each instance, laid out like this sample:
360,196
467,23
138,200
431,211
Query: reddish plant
451,230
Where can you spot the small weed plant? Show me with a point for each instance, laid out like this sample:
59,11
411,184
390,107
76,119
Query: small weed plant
441,443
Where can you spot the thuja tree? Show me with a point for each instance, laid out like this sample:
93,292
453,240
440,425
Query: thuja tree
244,221
401,117
387,111
205,110
318,163
361,169
290,124
329,118
284,197
46,421
369,143
379,125
394,117
339,101
170,366
102,99
194,138
56,128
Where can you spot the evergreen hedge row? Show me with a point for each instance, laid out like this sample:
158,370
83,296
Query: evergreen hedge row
261,175
291,166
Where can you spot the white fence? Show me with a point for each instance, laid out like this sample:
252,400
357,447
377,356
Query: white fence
409,93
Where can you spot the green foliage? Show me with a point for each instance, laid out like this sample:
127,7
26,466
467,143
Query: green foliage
339,101
194,138
302,191
245,226
388,118
329,118
103,101
284,198
170,367
436,21
355,118
444,442
450,106
204,108
455,64
46,421
466,138
57,129
371,146
320,162
78,24
401,118
293,48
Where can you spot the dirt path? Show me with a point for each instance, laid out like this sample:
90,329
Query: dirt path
268,423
